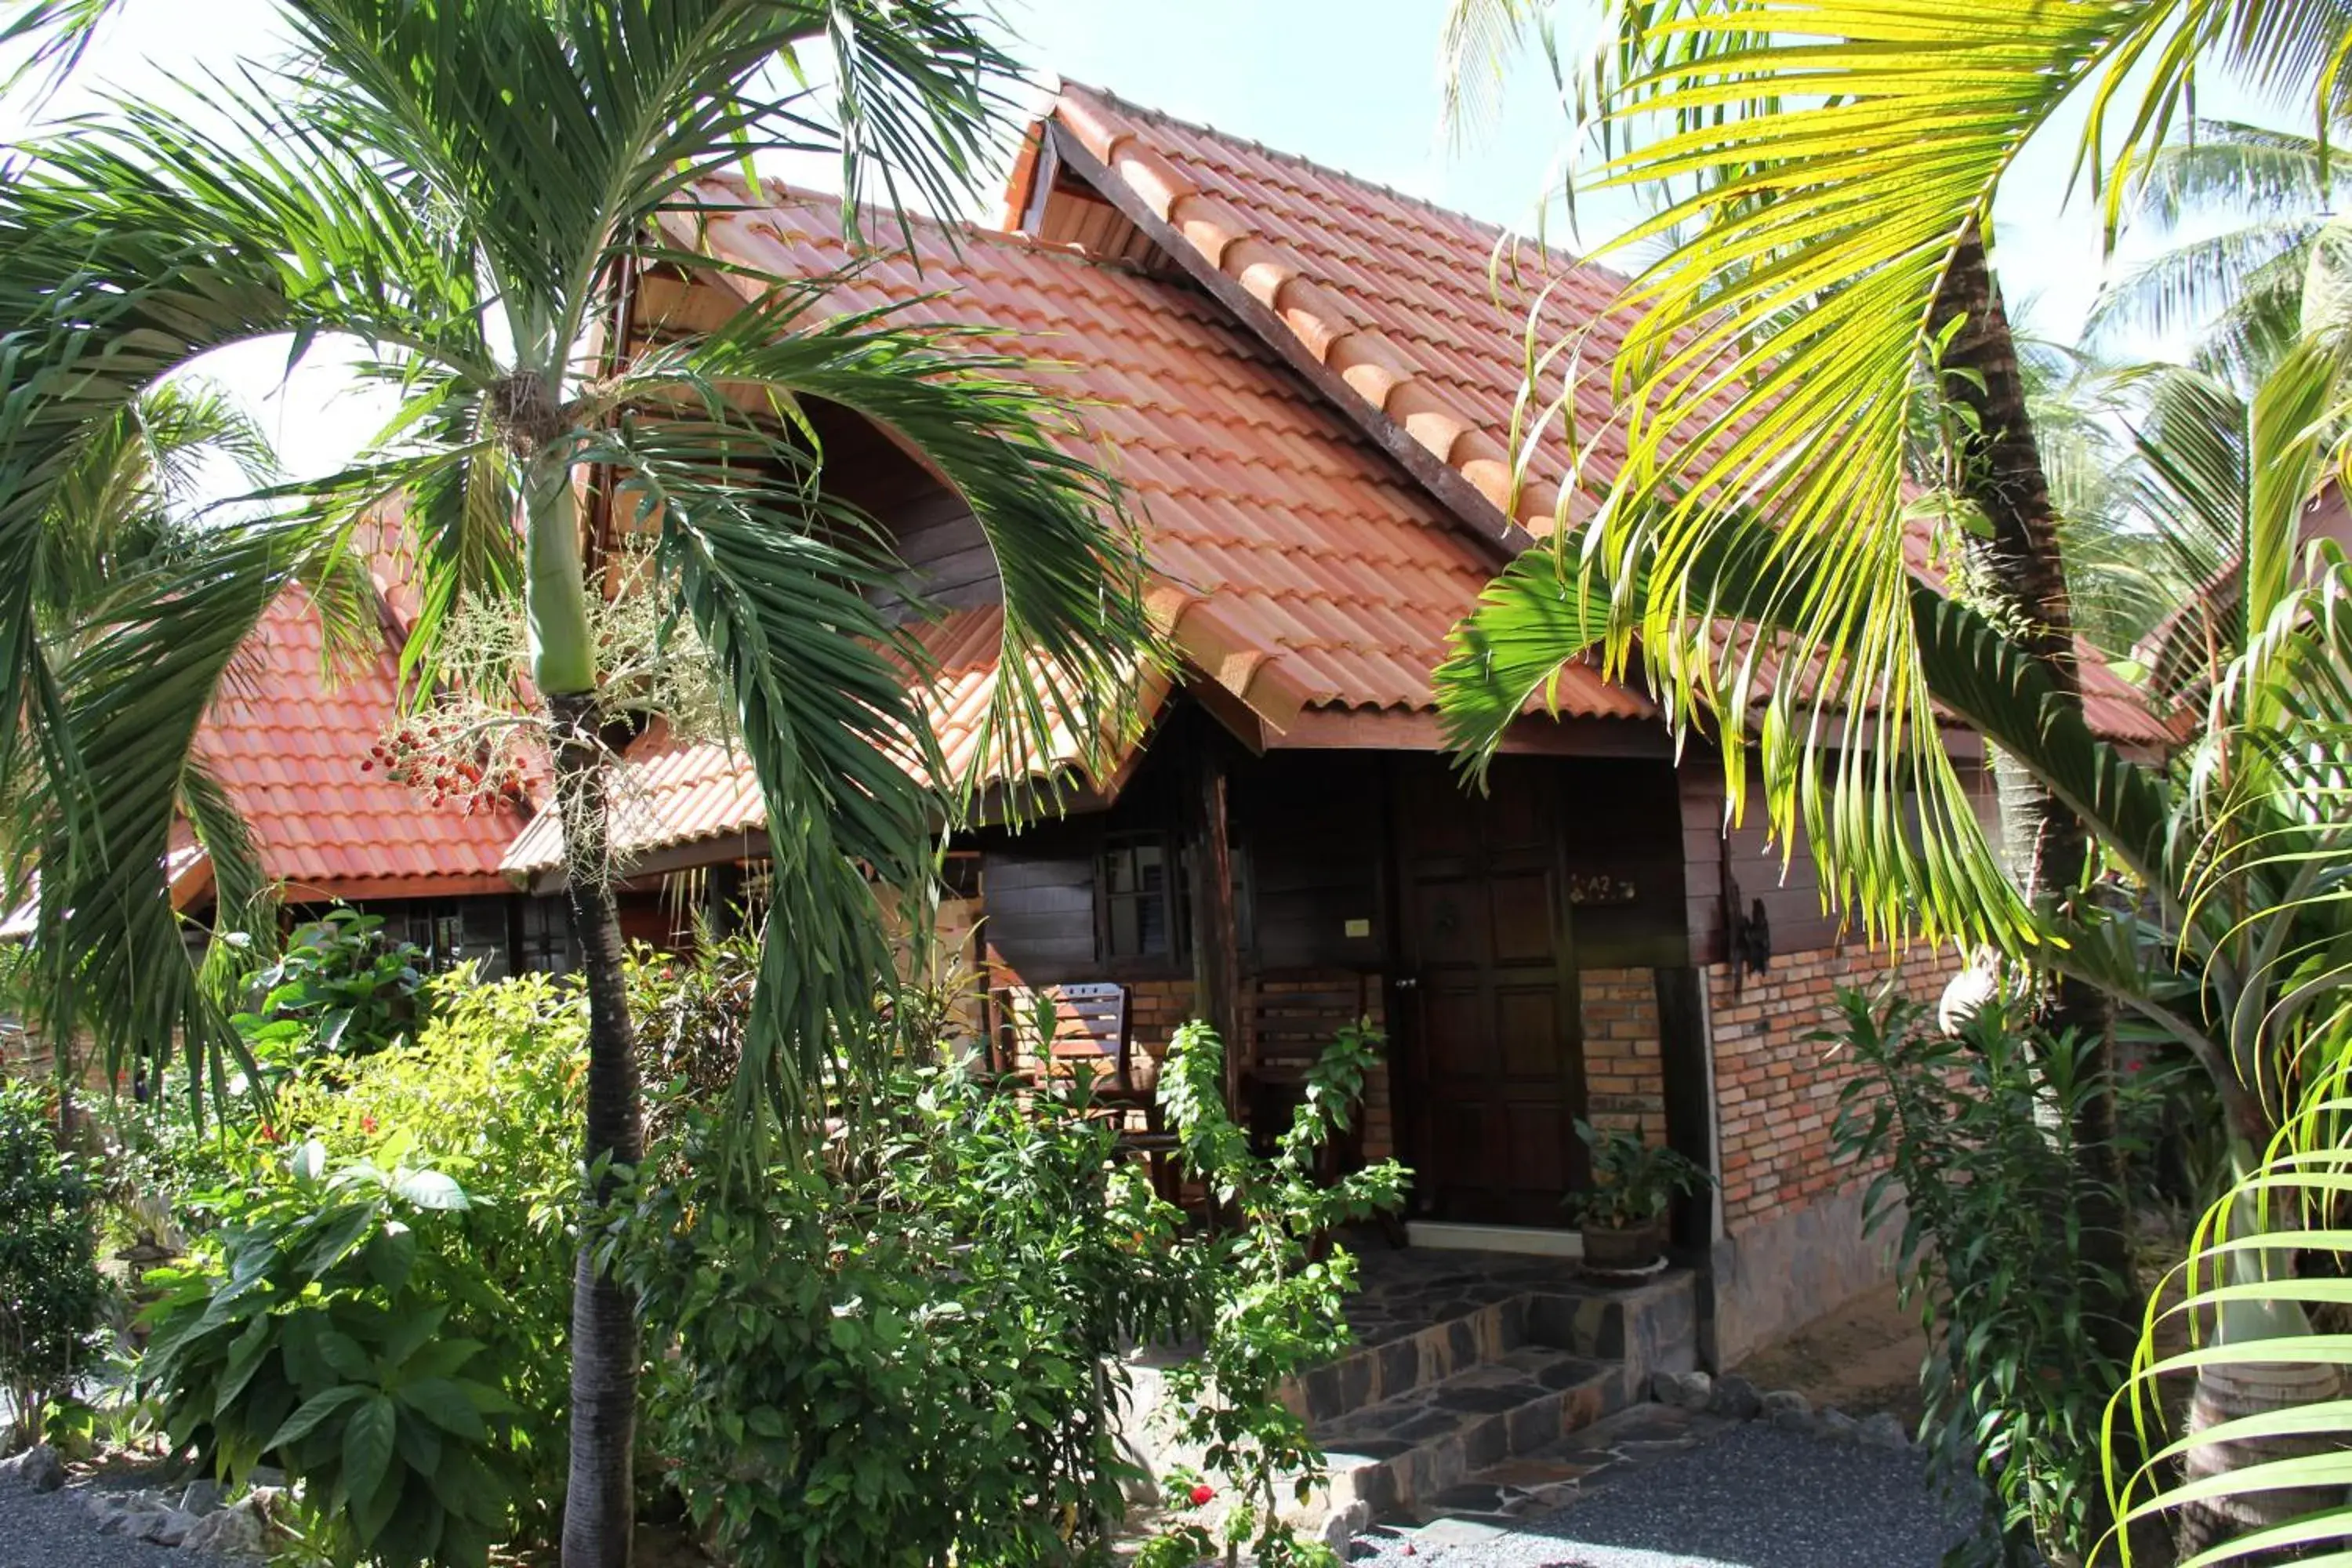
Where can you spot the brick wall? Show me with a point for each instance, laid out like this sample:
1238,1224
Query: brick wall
1624,1079
1777,1093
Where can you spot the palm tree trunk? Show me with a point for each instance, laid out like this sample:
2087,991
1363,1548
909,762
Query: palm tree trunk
599,1500
2018,577
599,1503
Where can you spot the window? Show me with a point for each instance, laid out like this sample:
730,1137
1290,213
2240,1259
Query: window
1141,907
451,932
543,938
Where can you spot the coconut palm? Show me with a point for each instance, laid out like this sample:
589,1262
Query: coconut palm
2242,843
460,190
2237,293
1835,200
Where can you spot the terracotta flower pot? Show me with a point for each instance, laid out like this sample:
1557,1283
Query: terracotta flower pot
1623,1249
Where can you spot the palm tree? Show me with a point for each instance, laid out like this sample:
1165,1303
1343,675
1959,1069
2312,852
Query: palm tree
461,188
2240,843
126,511
1833,199
2238,291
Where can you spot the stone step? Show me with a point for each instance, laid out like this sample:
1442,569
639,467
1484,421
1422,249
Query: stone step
1466,1323
1549,1479
1390,1361
1401,1451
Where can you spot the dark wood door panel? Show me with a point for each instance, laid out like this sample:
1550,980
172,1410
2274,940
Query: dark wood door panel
1496,1078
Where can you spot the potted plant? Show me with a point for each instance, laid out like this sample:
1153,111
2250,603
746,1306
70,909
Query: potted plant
1623,1215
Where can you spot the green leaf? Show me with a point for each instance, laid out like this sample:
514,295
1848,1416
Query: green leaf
368,1446
315,1410
392,1256
445,1403
431,1190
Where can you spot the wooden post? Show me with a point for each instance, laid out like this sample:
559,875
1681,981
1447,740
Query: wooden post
1216,958
1688,1068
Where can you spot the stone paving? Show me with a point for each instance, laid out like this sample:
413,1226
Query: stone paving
1405,1290
1559,1473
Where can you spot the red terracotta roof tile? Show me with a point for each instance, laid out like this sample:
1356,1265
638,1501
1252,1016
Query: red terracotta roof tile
1424,312
286,739
1255,493
672,793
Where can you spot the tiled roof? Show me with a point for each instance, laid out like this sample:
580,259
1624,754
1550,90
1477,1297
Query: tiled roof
1296,564
287,741
672,793
1424,313
1414,307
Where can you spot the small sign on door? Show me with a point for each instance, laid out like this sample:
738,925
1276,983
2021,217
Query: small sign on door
1359,927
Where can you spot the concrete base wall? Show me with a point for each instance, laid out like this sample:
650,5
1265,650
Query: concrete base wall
1782,1271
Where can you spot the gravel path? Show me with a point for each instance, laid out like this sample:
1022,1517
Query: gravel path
53,1530
1754,1498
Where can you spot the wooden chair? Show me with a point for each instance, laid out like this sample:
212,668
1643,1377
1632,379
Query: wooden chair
1090,1037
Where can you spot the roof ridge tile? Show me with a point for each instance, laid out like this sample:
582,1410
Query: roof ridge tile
1273,273
1297,160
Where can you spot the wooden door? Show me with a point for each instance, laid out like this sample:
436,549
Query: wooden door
1495,1058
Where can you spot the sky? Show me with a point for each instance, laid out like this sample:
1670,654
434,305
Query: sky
1350,83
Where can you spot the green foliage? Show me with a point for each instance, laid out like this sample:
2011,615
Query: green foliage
1279,1305
52,1297
341,990
1634,1182
2265,1258
329,1334
481,1108
1971,1138
907,1355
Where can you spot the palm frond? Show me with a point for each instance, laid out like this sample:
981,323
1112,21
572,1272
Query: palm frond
783,583
1076,638
2192,286
1829,180
1474,50
52,36
112,952
2251,170
1535,620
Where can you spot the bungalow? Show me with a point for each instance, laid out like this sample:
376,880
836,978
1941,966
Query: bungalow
1306,382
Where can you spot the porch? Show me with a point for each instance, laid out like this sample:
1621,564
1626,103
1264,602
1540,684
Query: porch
1467,1369
1526,952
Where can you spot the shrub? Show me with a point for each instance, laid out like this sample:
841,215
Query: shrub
331,1336
909,1358
488,1101
341,990
1277,1308
52,1297
1975,1130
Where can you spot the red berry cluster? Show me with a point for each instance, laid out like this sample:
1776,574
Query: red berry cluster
447,763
